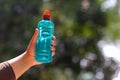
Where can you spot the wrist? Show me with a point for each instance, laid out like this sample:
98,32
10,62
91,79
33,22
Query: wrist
21,63
30,59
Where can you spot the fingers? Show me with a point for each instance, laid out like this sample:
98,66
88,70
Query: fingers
53,53
54,38
53,50
54,41
53,45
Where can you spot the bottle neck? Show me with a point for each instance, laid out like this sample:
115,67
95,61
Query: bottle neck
46,19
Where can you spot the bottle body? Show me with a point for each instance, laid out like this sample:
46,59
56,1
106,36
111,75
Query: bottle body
43,51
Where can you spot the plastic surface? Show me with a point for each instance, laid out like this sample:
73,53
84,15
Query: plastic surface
46,14
43,52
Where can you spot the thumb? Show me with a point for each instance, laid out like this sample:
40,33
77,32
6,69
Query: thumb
34,39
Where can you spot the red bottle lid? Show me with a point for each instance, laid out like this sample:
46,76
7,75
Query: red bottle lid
46,14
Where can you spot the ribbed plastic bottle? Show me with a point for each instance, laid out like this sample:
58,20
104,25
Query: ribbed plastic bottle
43,51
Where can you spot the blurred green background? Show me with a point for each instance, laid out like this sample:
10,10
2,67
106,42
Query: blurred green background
79,26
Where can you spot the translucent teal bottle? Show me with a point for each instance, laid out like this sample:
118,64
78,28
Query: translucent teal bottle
43,51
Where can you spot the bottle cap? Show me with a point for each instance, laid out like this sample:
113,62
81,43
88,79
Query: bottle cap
46,14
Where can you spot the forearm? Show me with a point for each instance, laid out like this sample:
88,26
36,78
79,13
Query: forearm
21,64
26,60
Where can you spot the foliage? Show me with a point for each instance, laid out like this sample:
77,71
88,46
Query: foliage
112,31
79,25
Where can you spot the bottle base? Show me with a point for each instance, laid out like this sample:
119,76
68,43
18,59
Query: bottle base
43,60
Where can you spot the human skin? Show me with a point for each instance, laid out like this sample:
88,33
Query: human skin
23,62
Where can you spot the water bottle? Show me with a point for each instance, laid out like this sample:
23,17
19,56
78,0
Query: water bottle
43,51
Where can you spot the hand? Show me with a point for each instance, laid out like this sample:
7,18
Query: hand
31,47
